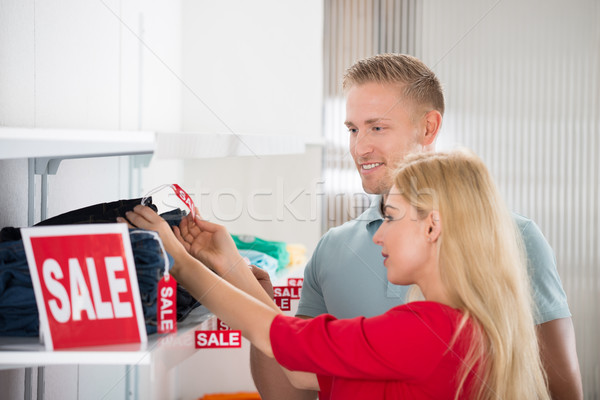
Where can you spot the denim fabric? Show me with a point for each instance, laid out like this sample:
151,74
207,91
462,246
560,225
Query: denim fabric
185,302
149,264
9,234
173,217
97,213
18,309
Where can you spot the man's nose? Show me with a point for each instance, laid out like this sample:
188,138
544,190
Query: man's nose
363,144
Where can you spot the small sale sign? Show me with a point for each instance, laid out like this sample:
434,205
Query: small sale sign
85,285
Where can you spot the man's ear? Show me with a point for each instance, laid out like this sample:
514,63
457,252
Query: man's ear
433,123
433,226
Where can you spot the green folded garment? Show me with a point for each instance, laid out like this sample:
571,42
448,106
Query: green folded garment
277,250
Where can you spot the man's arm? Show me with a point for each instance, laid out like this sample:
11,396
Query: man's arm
556,335
272,382
269,377
559,356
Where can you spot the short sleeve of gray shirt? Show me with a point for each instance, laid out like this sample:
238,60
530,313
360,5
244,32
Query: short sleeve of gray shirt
548,294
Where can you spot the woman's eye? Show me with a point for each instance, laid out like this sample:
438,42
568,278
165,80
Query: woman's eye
388,218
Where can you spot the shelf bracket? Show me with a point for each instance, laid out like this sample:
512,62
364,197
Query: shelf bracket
42,166
47,165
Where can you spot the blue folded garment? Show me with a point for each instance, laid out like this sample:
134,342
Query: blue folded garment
262,260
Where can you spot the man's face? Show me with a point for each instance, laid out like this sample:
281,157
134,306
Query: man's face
381,132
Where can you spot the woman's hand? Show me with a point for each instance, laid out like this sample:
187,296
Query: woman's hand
209,243
145,218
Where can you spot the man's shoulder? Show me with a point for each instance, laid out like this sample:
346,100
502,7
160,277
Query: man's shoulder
522,221
530,232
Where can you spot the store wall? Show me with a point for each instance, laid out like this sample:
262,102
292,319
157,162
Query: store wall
252,67
79,65
522,84
256,68
229,66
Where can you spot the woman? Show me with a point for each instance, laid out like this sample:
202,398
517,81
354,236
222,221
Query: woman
447,231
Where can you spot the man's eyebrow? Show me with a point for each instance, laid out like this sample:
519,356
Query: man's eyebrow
375,120
369,121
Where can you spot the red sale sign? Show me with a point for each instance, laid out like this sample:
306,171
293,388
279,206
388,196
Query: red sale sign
218,339
85,285
284,303
166,313
295,281
222,326
183,196
292,292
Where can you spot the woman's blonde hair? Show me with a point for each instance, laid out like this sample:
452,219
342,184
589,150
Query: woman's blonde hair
483,268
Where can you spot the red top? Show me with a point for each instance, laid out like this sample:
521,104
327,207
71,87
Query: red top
402,354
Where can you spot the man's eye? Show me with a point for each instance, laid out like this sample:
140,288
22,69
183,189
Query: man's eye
352,130
376,129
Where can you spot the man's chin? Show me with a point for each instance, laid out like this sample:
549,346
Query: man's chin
371,189
371,185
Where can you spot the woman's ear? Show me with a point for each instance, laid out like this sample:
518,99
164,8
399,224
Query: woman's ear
433,226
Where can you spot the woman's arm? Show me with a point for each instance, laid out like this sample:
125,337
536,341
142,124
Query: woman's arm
240,307
236,296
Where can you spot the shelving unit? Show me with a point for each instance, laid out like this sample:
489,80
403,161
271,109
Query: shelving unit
17,352
56,144
45,149
60,144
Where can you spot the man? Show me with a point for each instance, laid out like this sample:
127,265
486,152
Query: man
394,107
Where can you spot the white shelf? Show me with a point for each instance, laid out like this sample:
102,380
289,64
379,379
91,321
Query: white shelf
81,143
210,145
72,143
19,352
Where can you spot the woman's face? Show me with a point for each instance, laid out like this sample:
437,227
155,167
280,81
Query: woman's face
404,241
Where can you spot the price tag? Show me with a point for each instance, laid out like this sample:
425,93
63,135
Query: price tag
185,198
85,285
166,313
179,192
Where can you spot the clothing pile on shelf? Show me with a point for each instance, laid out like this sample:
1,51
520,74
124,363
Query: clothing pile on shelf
18,309
274,257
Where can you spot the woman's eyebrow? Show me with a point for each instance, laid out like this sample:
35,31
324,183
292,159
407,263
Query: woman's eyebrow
389,206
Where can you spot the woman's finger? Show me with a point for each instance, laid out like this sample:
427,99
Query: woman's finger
123,220
184,226
180,239
147,213
138,220
204,225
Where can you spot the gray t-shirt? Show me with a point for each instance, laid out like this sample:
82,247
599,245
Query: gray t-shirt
346,277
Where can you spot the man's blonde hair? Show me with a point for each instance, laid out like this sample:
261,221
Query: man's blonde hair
417,82
483,268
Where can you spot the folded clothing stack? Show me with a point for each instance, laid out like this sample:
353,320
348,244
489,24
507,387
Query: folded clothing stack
276,250
274,257
18,309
